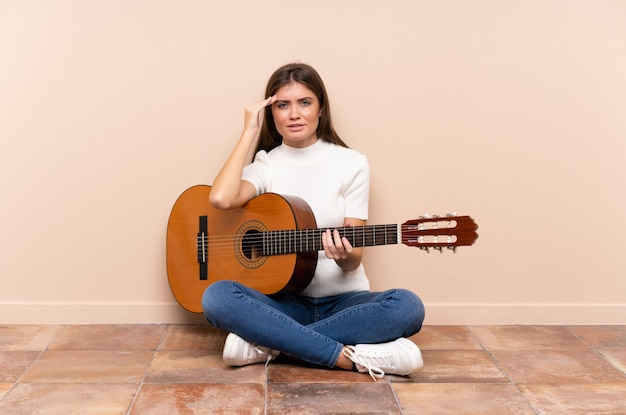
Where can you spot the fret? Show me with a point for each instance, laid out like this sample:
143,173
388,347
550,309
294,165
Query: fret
298,241
307,240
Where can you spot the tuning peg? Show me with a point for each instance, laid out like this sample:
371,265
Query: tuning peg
451,214
425,248
452,248
439,248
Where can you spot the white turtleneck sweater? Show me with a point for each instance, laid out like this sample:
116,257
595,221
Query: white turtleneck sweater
334,181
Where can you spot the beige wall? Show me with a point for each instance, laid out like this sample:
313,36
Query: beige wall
510,111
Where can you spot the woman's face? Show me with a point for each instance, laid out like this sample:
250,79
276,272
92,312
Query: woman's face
296,114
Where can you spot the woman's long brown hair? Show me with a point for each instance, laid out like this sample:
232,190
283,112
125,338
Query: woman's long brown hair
307,76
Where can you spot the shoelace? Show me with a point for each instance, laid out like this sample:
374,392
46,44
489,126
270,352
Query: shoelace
261,351
374,371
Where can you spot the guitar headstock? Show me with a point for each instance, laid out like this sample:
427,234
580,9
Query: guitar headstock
439,232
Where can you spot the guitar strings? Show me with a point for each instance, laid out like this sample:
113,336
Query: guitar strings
282,241
304,240
354,230
358,231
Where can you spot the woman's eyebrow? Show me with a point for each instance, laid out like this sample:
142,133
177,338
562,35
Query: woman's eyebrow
298,99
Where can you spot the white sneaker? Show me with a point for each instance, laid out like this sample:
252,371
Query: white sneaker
399,357
238,352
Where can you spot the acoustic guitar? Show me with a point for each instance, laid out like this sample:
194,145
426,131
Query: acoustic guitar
272,242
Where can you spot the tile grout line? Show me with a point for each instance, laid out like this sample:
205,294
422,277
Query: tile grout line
593,349
506,375
266,388
395,396
148,366
35,360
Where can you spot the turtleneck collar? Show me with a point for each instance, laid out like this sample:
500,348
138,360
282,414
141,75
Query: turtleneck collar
307,154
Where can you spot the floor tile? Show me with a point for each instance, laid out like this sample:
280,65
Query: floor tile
68,399
14,364
178,369
602,336
461,398
331,398
446,338
616,357
448,366
193,337
4,388
27,337
549,366
204,399
577,399
199,366
527,338
298,373
89,366
108,337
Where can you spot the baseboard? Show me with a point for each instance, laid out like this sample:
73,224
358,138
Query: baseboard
33,312
525,313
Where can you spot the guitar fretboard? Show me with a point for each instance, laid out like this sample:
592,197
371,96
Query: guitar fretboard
308,240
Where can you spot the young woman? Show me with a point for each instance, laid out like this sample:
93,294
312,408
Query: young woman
335,321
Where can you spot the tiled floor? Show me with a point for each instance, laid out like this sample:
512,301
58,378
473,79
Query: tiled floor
177,369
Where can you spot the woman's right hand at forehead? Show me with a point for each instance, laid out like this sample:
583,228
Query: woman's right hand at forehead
253,114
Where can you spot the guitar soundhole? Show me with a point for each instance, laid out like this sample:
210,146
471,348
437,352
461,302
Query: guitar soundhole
249,244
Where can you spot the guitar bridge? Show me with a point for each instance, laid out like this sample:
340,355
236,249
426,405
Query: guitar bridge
202,247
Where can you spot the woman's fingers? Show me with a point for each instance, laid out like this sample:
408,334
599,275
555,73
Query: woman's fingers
335,246
253,112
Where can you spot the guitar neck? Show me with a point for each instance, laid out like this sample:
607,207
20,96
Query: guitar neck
309,240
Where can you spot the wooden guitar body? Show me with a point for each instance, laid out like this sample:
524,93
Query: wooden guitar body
231,258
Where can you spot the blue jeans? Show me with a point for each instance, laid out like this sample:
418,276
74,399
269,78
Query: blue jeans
312,329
